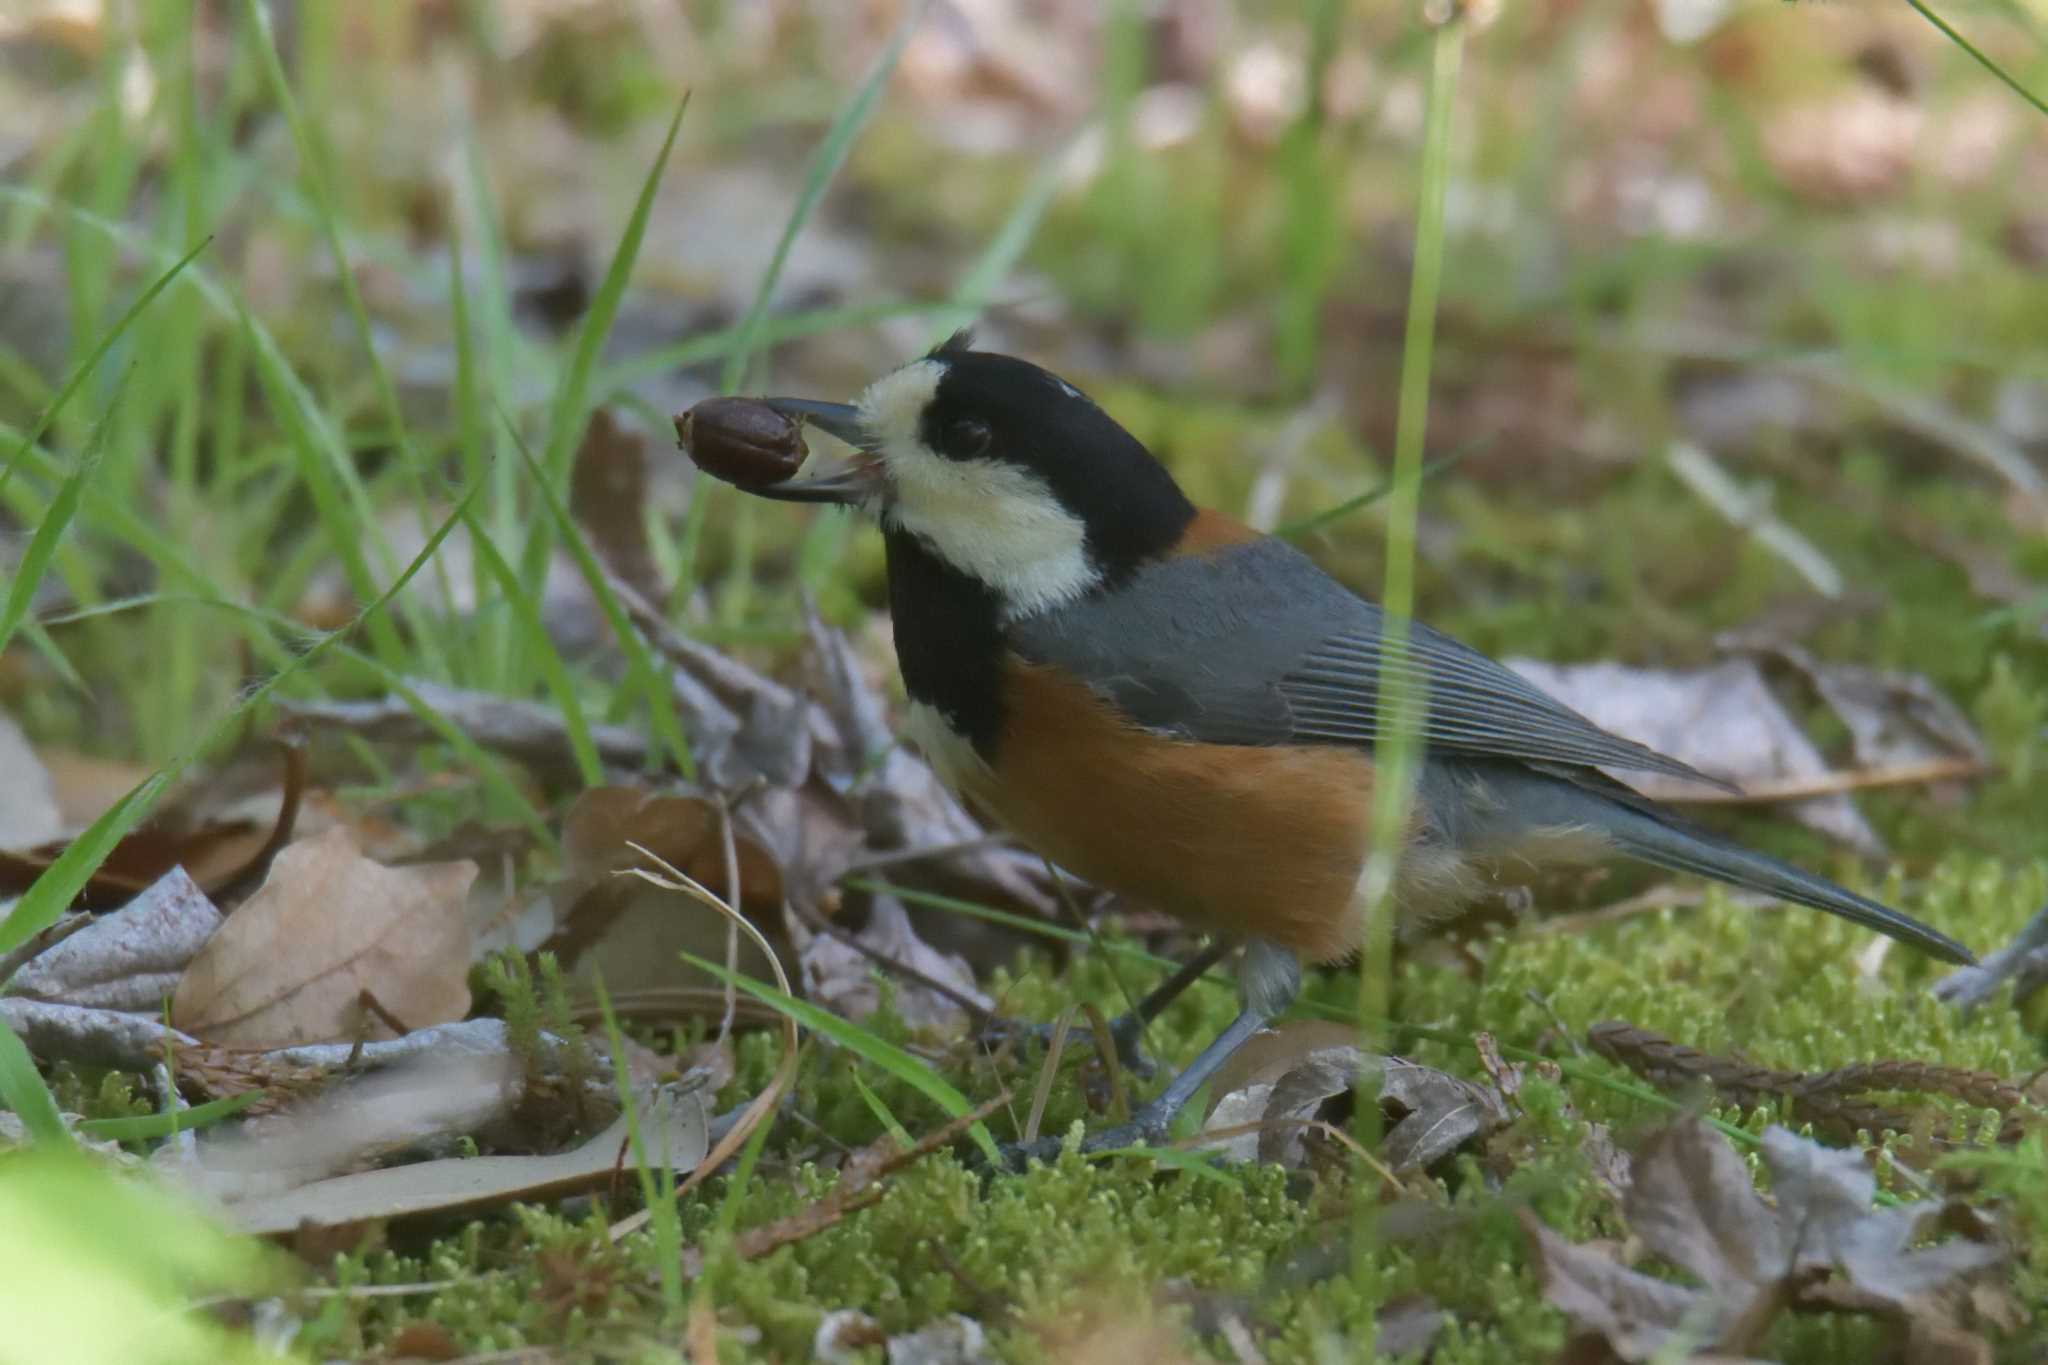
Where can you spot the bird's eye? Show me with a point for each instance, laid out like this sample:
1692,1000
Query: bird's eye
967,437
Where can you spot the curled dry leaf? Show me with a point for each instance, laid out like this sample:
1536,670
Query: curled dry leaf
1897,721
130,959
327,932
1288,1076
843,979
118,1039
1823,1245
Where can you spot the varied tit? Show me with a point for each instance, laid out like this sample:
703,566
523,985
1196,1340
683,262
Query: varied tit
1184,711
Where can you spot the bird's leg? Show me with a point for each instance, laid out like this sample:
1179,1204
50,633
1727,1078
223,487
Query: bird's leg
1126,1031
1268,980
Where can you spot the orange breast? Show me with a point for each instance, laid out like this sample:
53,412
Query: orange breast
1240,840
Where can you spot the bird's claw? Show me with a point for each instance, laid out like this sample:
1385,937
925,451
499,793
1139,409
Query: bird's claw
1147,1129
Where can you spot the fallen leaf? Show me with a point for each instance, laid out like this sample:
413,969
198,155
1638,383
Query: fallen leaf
608,498
352,1124
842,978
117,1039
130,959
675,1129
1287,1076
1823,1245
1723,720
327,929
954,1339
530,731
1824,1204
843,1335
630,933
1895,719
219,853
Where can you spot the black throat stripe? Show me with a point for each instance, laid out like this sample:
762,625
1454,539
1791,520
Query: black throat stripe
949,639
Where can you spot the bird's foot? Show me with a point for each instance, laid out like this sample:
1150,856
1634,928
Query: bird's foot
1148,1128
1126,1033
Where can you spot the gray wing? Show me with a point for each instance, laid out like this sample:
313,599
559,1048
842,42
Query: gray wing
1256,645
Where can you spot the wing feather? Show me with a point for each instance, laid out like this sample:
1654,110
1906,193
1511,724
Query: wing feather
1253,644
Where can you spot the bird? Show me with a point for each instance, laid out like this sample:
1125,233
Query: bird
1185,711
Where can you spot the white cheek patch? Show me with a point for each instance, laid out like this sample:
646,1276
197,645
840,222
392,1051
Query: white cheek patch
892,405
989,519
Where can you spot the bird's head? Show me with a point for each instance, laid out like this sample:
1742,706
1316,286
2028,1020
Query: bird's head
1004,470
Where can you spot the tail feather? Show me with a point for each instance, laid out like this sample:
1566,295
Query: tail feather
1666,843
1647,833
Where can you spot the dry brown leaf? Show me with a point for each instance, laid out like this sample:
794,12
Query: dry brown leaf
87,785
608,498
328,927
1285,1077
675,1129
352,1124
631,933
220,853
1723,720
1823,1245
841,977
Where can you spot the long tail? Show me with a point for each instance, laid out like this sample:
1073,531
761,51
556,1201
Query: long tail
1648,834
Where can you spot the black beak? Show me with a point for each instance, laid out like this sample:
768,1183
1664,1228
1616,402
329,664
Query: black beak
848,485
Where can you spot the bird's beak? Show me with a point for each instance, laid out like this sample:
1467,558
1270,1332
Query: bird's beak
850,484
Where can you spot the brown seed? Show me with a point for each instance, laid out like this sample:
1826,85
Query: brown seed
742,441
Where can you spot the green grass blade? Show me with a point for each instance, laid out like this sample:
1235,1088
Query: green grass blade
662,1214
91,362
825,164
1978,56
883,1114
49,532
1315,521
143,1127
565,424
313,174
23,1091
542,648
63,879
1397,753
641,671
881,1053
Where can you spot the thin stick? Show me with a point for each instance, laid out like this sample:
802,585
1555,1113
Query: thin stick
1819,784
1043,1091
732,929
